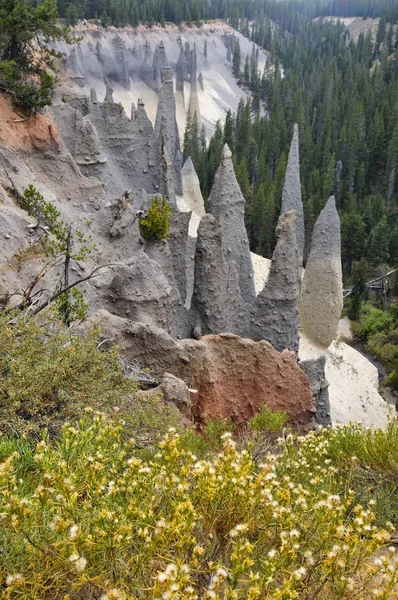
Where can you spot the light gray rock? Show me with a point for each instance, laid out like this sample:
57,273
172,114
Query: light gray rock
315,371
191,188
291,197
277,306
322,289
140,291
176,391
227,204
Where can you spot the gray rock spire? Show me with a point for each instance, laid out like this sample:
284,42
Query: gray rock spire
133,114
108,91
277,305
167,181
227,204
180,72
194,106
167,109
205,50
291,197
216,298
88,148
322,289
146,71
200,82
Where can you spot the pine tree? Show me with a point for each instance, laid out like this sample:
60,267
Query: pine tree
236,60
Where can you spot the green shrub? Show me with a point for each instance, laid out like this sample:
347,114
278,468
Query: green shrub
155,227
267,421
372,320
50,375
98,521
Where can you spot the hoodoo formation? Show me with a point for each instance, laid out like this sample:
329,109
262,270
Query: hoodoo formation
109,169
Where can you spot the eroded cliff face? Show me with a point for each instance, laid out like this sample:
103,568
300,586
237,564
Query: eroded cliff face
98,162
131,60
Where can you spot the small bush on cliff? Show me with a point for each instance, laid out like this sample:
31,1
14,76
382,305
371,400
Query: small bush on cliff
93,519
156,225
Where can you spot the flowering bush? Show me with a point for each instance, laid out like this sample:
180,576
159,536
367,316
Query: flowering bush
90,518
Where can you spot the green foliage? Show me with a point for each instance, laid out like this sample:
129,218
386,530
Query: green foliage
372,320
268,421
156,225
26,29
50,375
379,330
95,519
63,244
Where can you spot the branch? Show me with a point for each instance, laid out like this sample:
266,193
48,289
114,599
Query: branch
94,273
349,291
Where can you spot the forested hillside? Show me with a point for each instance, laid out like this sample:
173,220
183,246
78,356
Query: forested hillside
345,99
287,13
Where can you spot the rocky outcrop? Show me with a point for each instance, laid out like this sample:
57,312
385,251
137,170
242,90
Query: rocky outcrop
227,204
176,391
233,377
322,289
140,291
167,110
277,306
315,371
88,148
291,197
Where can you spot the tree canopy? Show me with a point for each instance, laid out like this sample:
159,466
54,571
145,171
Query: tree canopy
26,28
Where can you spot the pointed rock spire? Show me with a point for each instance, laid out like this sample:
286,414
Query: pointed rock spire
227,204
291,197
216,298
277,305
146,71
93,96
322,289
167,109
133,114
205,50
108,91
194,106
167,187
180,72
